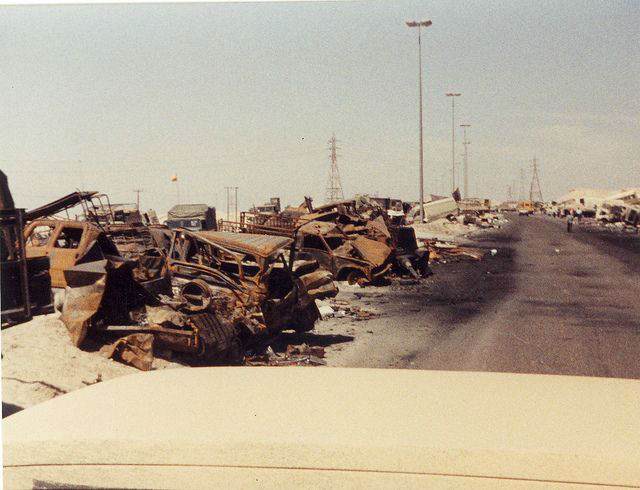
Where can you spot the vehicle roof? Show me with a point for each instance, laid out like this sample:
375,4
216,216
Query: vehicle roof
261,245
185,211
470,425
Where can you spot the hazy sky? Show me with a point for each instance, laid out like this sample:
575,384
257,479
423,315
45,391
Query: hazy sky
120,97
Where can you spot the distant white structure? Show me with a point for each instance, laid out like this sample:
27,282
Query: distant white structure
599,201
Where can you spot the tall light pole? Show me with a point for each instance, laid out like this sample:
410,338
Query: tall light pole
466,143
453,137
420,25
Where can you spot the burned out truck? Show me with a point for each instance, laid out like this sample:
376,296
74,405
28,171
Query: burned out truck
355,240
358,260
248,277
64,242
230,291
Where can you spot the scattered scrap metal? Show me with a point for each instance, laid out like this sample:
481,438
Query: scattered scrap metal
295,355
448,252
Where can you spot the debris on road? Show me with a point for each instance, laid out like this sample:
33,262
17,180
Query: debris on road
295,355
440,251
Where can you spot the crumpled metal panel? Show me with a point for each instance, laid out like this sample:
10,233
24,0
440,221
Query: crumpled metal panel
135,349
371,250
165,316
320,228
80,306
317,278
378,229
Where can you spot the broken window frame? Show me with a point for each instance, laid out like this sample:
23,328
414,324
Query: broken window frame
34,232
73,243
181,260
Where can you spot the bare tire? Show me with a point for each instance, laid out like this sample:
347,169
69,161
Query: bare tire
197,295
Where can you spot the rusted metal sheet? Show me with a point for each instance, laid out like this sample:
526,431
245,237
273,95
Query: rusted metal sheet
321,228
261,245
59,205
135,349
372,251
81,305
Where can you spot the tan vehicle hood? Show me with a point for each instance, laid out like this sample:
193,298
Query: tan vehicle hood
322,427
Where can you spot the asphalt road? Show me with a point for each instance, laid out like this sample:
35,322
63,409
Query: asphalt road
548,302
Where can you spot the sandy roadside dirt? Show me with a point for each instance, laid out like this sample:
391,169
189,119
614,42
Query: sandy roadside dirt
39,362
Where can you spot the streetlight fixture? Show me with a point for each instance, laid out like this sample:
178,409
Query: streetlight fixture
419,25
453,137
466,143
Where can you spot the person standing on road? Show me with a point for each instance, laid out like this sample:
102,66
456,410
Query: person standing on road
569,222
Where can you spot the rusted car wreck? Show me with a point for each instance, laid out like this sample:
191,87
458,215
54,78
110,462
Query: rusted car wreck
356,259
207,293
67,242
353,239
248,277
356,241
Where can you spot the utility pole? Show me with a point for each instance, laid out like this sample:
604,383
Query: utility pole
235,202
521,193
334,187
466,143
453,136
138,191
509,195
535,182
228,189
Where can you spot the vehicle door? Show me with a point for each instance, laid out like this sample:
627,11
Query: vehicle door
314,247
63,247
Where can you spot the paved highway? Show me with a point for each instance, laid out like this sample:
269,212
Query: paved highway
548,302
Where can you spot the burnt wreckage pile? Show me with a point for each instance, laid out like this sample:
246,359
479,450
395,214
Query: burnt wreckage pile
139,287
355,240
136,287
